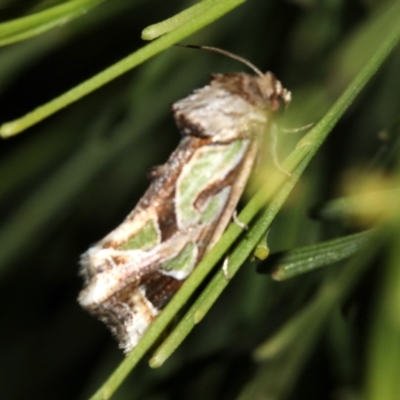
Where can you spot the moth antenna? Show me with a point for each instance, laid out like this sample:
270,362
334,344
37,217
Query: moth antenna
225,53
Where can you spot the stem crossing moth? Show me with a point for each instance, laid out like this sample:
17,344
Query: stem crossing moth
133,272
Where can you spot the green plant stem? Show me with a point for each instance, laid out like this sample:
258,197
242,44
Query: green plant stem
216,11
220,281
35,24
154,31
291,345
305,150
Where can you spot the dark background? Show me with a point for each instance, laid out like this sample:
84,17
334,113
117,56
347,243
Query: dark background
69,180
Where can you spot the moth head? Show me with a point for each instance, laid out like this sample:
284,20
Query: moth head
272,89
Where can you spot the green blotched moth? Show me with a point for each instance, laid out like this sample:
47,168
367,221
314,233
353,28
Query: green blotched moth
133,272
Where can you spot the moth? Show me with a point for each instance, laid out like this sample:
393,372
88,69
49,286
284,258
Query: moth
131,274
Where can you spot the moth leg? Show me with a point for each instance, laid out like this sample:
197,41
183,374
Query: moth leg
274,143
225,270
274,153
296,130
238,222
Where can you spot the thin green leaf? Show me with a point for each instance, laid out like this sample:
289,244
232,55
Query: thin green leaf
301,157
35,24
154,31
216,11
309,258
291,345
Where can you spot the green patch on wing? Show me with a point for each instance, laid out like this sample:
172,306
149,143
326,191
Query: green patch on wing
144,239
215,206
181,266
205,170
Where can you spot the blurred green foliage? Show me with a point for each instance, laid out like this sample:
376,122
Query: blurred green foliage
70,179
